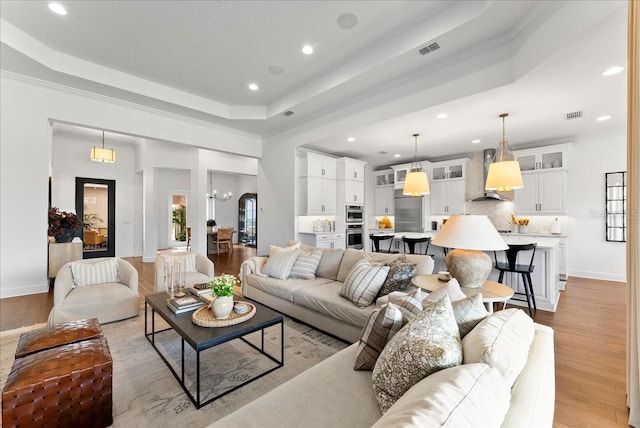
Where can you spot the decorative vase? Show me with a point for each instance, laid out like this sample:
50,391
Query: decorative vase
67,236
222,307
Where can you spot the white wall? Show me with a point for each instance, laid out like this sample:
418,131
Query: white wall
70,159
26,106
590,255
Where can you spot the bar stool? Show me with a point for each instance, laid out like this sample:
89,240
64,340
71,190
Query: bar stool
411,243
523,269
375,242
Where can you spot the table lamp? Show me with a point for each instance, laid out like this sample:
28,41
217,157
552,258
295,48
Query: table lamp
469,236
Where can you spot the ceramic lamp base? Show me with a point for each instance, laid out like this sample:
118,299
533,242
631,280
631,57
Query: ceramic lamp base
470,267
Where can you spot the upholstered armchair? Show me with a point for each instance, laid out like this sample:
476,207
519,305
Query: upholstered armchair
198,268
105,288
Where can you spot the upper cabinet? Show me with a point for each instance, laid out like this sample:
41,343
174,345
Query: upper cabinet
384,177
384,196
400,172
542,158
351,169
544,172
316,165
449,170
316,184
350,181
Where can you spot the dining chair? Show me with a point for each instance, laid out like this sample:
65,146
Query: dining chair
225,238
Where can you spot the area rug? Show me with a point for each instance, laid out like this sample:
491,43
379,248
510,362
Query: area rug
145,393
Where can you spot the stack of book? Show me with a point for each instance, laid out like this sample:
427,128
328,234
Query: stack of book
180,305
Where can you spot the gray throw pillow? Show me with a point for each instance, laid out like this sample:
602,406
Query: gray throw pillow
363,283
469,312
306,265
399,278
329,263
427,344
280,264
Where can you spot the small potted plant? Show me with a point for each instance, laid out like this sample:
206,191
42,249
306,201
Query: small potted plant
210,225
222,290
63,225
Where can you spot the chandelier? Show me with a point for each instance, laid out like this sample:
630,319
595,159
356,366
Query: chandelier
504,172
103,155
416,183
225,197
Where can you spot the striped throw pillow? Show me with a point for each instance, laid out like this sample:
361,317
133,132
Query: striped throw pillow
363,283
280,264
306,265
188,261
94,273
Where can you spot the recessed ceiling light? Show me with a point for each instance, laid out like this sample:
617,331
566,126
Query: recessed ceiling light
351,139
253,86
397,155
57,8
613,70
475,141
442,116
307,49
347,21
603,118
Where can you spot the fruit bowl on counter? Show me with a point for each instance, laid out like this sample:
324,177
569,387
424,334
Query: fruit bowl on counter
385,223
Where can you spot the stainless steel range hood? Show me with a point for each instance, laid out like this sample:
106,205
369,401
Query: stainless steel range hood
489,195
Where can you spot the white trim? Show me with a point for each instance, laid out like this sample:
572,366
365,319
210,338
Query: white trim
617,277
24,290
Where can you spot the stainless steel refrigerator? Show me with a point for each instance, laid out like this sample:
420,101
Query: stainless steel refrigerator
408,213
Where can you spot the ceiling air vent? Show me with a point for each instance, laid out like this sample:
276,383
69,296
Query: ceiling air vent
574,115
430,48
288,113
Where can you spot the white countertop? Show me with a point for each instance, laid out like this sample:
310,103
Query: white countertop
542,241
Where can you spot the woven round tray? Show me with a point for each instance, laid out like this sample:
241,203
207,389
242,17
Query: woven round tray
204,317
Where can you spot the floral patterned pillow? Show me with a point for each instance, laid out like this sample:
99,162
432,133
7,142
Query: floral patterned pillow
427,344
399,277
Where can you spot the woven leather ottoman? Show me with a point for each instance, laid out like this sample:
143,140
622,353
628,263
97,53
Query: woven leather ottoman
67,385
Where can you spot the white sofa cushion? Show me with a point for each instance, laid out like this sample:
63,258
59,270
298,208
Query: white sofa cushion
363,283
461,396
94,273
306,265
330,263
188,261
284,289
501,340
427,344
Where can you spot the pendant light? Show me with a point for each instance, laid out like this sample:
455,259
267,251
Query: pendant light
103,155
504,172
416,183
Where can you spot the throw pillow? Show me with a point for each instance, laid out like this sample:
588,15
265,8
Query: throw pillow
94,273
451,289
187,261
273,249
399,278
306,264
469,312
427,344
363,283
280,264
349,259
329,263
382,325
302,246
461,396
501,340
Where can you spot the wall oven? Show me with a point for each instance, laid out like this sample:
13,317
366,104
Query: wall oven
354,214
354,236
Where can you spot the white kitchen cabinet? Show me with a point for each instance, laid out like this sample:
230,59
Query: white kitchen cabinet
311,164
400,172
351,169
543,193
563,270
384,203
542,158
316,196
384,177
354,191
448,170
324,240
447,197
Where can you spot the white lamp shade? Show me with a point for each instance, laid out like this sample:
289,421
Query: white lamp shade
416,184
504,176
469,232
103,155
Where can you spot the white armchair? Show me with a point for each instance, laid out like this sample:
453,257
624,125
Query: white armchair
204,269
107,301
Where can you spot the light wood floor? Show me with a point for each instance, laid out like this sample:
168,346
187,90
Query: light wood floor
590,331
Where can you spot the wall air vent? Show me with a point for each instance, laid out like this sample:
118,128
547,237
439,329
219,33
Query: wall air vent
289,113
382,152
574,115
430,48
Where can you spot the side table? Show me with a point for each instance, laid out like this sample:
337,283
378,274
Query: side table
491,291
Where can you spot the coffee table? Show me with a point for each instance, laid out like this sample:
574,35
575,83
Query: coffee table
491,291
202,338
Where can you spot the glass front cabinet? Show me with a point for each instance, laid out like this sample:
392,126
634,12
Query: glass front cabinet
616,206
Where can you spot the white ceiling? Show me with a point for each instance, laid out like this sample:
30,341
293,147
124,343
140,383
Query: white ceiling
197,58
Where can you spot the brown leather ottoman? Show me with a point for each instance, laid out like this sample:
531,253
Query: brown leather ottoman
66,385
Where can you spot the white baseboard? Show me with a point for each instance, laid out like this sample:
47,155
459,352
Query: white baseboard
24,291
599,275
